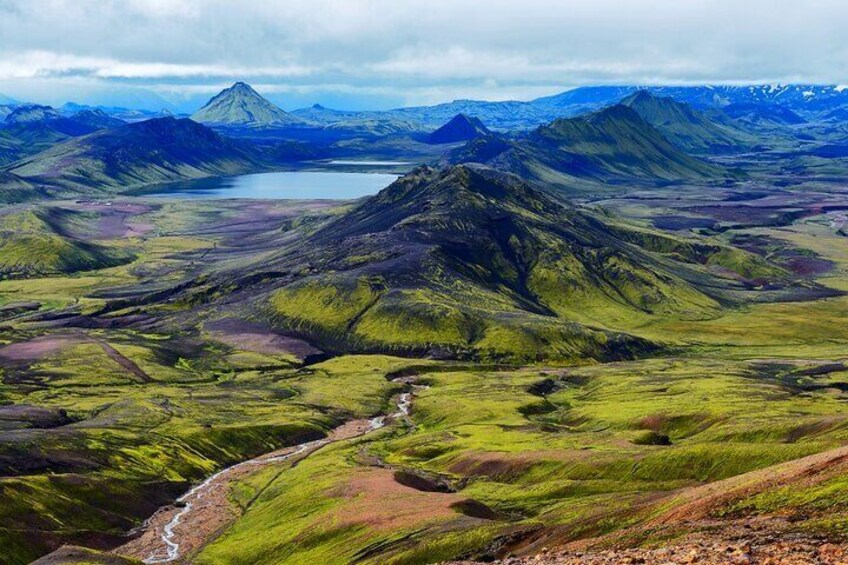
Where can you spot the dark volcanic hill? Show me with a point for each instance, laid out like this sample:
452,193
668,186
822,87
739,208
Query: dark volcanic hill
158,150
686,128
613,145
475,262
242,106
460,128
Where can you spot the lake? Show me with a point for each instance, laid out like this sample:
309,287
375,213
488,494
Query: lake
288,185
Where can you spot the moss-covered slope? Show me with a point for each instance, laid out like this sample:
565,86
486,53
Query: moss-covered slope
32,244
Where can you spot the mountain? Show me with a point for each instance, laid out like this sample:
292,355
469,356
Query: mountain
18,140
806,100
240,105
583,99
32,113
799,98
158,150
7,100
500,115
97,119
688,129
611,146
374,127
763,114
470,261
30,129
840,115
460,128
323,115
117,112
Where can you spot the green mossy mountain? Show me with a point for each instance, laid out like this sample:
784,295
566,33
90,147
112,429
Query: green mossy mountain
612,146
685,127
475,262
240,105
137,154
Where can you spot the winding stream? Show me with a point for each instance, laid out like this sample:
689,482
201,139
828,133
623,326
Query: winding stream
205,508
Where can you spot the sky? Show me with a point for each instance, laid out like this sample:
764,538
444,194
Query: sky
376,54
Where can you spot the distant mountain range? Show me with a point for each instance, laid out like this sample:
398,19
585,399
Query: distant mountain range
806,100
241,105
765,113
647,138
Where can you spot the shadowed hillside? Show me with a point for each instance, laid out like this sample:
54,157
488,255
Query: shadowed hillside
612,146
686,128
157,150
32,244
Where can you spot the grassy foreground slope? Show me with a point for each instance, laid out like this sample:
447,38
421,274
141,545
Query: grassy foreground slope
99,448
519,455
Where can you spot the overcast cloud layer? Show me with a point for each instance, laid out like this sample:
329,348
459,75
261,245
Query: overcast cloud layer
374,53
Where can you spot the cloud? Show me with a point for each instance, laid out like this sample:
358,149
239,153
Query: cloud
422,46
43,64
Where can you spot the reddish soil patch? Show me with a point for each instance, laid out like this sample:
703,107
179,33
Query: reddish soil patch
114,226
46,346
40,347
375,499
259,339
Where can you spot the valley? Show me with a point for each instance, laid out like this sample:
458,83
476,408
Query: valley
242,338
